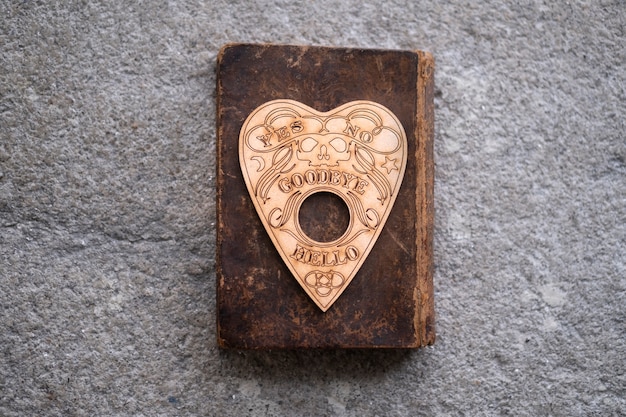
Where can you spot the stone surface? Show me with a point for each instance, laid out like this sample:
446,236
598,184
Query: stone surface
107,212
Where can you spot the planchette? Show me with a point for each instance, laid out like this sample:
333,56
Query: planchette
290,154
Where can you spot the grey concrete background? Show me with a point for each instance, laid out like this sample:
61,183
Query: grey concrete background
107,212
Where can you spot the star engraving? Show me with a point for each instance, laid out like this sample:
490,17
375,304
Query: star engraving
389,165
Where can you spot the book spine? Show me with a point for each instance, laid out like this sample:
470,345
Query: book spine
424,293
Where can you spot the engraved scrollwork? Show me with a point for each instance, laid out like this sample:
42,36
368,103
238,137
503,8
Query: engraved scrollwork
278,217
367,167
280,161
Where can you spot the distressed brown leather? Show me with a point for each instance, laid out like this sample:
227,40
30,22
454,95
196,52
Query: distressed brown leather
389,304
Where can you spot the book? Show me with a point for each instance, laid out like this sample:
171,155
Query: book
263,300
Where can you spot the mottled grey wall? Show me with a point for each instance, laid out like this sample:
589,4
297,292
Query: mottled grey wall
107,212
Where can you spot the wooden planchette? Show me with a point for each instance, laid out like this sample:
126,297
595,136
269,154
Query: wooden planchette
289,153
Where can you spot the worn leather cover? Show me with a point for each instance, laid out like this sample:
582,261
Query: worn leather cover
389,304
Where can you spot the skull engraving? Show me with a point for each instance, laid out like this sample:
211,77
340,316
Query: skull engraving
326,150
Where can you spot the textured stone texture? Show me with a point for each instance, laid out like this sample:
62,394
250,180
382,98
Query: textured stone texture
107,215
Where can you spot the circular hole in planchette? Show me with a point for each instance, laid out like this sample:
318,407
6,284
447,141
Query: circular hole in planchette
324,217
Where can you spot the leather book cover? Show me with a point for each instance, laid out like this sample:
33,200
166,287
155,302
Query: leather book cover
388,303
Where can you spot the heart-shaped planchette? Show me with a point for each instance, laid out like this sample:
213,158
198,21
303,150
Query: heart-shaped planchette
290,152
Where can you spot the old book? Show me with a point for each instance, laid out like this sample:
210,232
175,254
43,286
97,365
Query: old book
312,251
